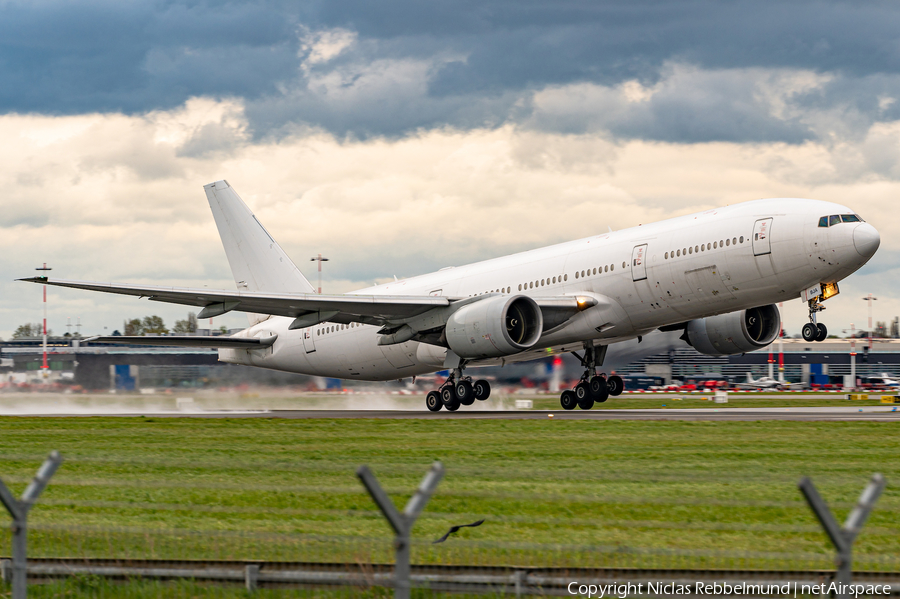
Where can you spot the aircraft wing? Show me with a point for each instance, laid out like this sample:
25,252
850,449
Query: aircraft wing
369,309
190,341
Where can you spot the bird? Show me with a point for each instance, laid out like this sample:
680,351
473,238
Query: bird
453,529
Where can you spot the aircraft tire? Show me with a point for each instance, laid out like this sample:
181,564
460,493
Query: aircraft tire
448,395
583,395
568,400
465,393
616,385
821,332
587,403
482,389
597,384
602,392
433,401
810,332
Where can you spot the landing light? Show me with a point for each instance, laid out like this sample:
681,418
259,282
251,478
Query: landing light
585,302
829,290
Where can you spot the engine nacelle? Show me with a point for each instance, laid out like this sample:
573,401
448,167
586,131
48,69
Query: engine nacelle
494,327
735,332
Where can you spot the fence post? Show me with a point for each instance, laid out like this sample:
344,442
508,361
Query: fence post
18,509
251,577
402,523
843,538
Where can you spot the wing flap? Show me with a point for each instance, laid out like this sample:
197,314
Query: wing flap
185,341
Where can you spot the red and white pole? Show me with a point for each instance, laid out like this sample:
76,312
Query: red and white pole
45,368
781,347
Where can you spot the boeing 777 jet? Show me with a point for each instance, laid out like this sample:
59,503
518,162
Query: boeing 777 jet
715,275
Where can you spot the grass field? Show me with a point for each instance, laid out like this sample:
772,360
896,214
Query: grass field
286,489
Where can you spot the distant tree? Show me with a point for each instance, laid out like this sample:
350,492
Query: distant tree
35,329
186,326
134,327
154,324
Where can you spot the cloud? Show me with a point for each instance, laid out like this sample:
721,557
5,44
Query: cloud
115,197
390,69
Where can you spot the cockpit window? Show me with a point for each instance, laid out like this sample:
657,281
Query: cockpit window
834,219
823,222
850,218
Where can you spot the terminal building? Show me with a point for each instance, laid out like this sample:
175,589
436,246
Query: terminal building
662,359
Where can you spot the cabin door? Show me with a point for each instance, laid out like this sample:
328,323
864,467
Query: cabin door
761,232
639,263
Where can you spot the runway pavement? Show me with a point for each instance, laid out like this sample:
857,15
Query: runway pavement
849,413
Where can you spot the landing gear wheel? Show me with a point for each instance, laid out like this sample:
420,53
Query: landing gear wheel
568,400
584,396
602,393
597,383
449,399
821,332
482,389
810,332
464,393
433,401
616,385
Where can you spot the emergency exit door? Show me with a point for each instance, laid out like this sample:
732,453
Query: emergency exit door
762,244
638,263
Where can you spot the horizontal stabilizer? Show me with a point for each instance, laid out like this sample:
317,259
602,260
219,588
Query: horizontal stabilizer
185,341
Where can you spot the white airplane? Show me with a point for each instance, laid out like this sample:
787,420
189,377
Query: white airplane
761,383
883,380
715,275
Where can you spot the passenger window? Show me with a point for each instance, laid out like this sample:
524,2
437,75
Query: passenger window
849,218
823,222
834,219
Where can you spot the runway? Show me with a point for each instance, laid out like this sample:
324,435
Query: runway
822,414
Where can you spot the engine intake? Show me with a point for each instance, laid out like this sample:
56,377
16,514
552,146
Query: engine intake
735,332
494,327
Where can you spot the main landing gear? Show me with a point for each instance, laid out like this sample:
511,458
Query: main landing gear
814,331
592,387
457,391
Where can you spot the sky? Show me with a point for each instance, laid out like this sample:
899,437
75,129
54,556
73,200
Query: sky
400,137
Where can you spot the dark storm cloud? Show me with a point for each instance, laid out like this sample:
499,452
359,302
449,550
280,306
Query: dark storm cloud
464,64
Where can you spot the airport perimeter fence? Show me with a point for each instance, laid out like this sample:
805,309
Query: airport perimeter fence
141,528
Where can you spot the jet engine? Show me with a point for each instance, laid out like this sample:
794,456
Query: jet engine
735,332
495,326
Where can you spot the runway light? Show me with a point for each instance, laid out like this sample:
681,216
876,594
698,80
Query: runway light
551,415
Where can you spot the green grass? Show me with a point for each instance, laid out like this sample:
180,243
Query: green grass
286,489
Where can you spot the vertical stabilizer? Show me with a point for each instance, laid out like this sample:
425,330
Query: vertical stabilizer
257,262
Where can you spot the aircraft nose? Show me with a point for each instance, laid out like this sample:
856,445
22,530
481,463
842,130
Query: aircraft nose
866,239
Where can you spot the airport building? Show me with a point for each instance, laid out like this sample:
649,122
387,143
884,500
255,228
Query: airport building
129,367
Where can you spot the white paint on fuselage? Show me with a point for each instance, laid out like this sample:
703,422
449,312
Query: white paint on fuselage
713,271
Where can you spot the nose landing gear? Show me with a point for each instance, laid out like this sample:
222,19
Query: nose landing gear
592,388
457,391
814,331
